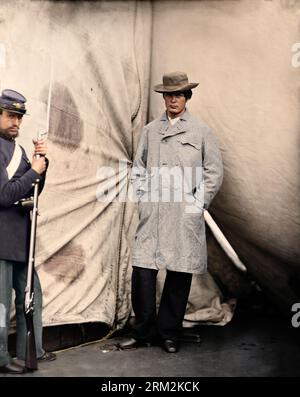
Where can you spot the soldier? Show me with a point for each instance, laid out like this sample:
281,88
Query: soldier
176,154
17,175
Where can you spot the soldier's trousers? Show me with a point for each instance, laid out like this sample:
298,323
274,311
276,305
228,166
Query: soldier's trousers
13,276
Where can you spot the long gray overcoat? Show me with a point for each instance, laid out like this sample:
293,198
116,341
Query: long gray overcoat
177,172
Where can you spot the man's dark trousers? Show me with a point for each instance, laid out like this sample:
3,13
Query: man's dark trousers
167,323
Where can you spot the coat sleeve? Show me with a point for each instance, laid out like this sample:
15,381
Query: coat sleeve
212,167
43,177
15,189
139,170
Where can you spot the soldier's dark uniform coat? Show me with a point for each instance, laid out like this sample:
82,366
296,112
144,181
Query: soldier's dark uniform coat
15,222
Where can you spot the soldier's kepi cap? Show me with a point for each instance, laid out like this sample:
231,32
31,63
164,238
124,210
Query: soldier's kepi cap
12,101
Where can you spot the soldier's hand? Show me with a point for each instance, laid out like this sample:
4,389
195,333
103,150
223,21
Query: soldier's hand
40,147
38,165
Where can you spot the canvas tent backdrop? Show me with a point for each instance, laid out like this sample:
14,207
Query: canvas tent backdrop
105,57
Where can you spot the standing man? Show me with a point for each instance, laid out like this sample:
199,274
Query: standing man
16,178
177,172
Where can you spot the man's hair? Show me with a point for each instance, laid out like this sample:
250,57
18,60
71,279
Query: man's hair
0,111
188,94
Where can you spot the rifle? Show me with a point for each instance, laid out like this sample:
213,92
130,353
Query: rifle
30,355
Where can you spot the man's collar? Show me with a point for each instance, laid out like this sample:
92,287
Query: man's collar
185,116
179,127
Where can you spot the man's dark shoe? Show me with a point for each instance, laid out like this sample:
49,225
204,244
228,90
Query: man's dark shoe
12,368
191,336
132,343
47,356
170,346
128,343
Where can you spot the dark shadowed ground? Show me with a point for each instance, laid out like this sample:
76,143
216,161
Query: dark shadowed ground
252,345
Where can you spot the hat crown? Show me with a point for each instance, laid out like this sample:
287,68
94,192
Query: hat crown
175,78
13,96
12,101
175,81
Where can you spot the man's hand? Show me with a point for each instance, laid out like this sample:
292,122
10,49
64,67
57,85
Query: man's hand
39,165
40,147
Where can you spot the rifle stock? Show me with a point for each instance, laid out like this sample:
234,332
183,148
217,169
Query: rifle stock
30,354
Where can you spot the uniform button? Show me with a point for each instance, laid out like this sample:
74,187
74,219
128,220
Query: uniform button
164,163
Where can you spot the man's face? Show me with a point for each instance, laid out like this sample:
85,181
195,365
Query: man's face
10,123
175,103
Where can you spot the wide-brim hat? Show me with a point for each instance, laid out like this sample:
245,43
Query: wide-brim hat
12,101
175,81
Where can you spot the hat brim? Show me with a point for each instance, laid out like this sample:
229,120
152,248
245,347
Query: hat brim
13,110
174,88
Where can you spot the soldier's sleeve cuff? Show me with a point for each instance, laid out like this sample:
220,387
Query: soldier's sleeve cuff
33,174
